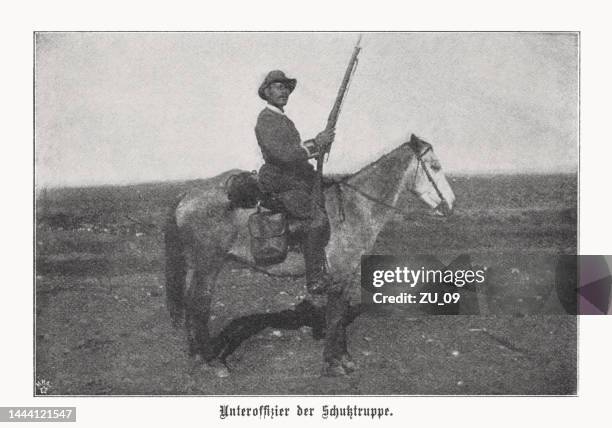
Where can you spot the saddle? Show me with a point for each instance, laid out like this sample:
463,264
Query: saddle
244,191
272,231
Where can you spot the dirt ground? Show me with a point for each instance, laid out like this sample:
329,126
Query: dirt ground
102,326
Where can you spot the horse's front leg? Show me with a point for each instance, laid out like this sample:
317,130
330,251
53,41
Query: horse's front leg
337,360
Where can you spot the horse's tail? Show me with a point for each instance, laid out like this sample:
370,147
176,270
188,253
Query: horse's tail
176,267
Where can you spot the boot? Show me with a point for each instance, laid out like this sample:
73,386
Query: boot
318,281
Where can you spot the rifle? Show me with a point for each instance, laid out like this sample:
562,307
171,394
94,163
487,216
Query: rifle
332,119
335,111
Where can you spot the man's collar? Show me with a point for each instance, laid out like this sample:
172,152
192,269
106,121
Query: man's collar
275,109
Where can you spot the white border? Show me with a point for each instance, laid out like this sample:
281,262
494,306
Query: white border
596,205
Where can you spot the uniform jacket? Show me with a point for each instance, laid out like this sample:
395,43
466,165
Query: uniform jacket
286,157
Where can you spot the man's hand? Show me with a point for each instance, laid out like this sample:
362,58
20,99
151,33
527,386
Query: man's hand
324,139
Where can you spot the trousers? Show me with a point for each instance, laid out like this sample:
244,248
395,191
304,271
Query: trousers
295,193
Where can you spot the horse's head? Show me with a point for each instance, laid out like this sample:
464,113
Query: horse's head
412,167
429,182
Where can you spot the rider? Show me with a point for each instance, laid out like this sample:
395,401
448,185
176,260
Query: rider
288,173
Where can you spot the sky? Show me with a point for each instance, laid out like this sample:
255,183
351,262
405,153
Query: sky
115,108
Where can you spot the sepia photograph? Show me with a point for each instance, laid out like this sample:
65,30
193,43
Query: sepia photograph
259,213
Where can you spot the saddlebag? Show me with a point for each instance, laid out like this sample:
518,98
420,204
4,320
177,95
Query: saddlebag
243,190
268,232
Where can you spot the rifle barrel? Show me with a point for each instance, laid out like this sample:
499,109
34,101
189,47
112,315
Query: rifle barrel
335,112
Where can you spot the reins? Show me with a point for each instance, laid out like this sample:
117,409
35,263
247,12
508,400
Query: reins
374,199
344,182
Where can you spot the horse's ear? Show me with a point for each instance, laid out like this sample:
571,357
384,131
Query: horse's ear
417,144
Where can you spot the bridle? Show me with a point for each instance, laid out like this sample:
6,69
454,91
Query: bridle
429,177
338,184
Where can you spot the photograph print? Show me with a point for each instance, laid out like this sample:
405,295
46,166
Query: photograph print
305,213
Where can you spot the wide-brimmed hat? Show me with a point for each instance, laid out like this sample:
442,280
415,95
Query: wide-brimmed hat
276,76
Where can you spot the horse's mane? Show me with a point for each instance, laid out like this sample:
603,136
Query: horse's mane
365,169
415,144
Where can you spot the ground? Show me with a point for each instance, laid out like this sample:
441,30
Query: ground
102,326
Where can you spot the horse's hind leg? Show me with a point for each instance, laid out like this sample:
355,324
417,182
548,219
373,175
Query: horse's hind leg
200,289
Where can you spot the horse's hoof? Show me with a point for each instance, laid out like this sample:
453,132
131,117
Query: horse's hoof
219,369
348,364
334,369
222,372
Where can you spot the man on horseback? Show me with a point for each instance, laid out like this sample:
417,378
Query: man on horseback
288,173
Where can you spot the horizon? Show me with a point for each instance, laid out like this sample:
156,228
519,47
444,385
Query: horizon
449,175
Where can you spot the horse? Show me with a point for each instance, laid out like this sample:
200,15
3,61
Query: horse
202,233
